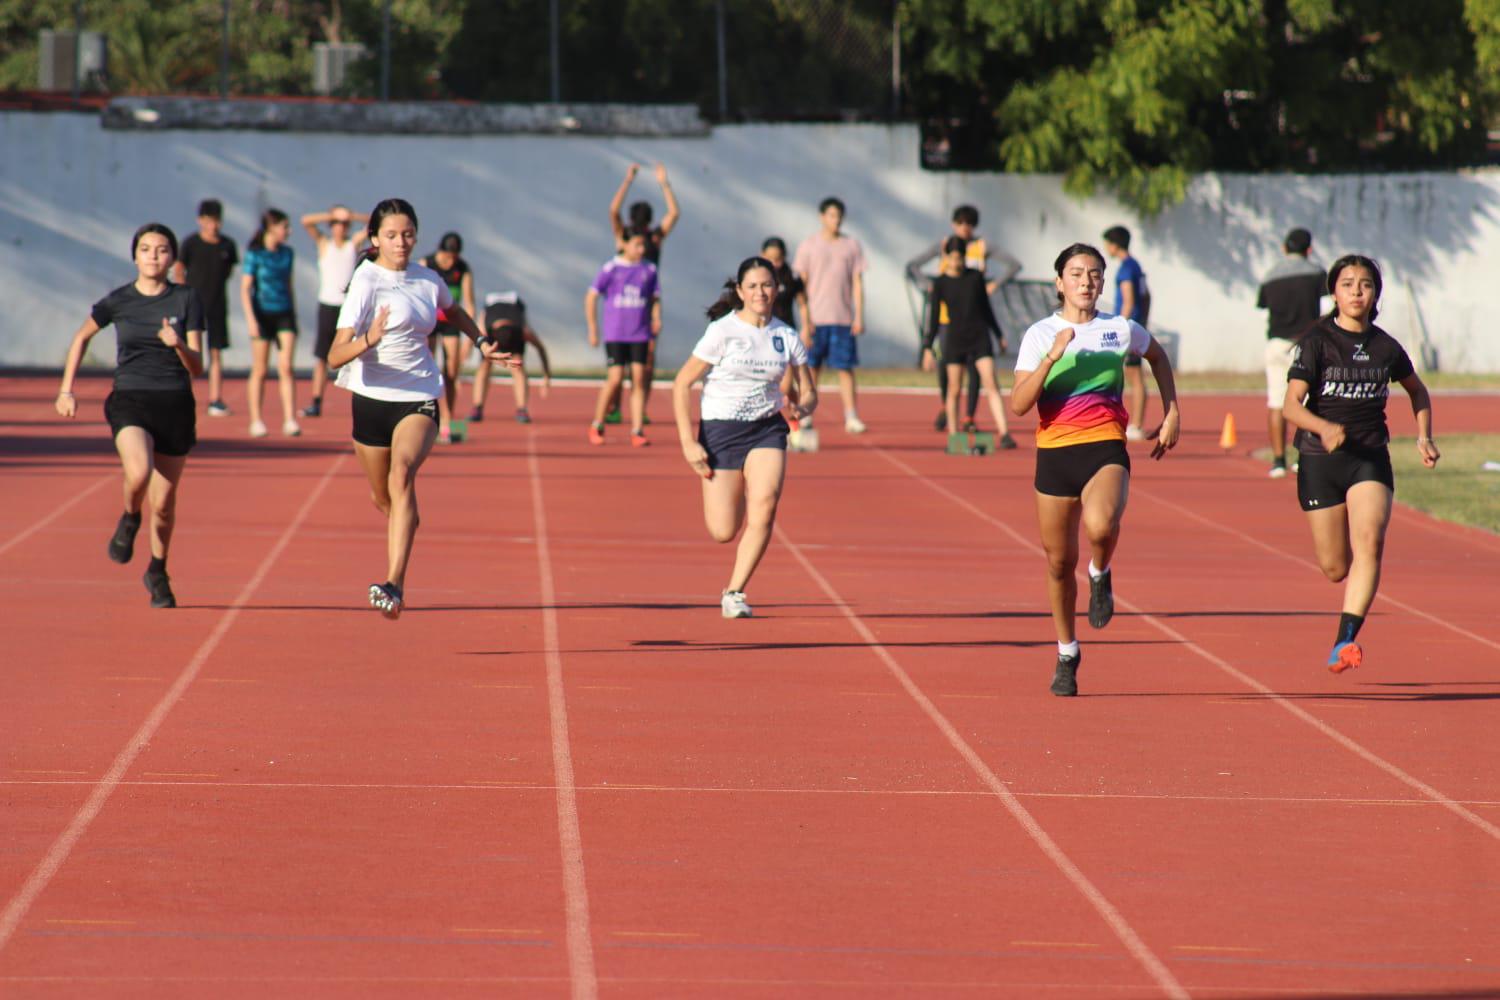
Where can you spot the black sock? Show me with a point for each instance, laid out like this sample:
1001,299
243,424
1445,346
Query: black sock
1349,626
158,567
134,520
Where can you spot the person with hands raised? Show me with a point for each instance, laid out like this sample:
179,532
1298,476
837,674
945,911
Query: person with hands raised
1071,367
151,412
1336,392
739,451
383,358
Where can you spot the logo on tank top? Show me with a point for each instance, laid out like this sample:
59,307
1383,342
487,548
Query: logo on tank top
778,344
1110,338
1360,354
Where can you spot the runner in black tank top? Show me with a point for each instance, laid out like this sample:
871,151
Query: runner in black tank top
1336,393
159,336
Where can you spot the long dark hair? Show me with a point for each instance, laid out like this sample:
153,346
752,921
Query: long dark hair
270,217
158,229
730,300
1071,251
1355,260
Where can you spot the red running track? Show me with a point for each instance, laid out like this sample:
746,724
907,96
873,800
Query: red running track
561,773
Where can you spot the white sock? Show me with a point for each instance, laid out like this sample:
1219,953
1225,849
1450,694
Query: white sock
1067,648
851,414
1095,572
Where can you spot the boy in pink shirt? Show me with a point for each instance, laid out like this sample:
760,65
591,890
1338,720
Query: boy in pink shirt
832,266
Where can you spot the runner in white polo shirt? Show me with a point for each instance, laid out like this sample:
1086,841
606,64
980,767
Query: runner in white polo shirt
740,448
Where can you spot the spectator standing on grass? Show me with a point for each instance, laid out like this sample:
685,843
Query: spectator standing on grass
831,264
1292,294
338,249
977,256
1133,302
207,259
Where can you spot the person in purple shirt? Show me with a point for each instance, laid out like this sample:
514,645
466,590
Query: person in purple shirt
632,319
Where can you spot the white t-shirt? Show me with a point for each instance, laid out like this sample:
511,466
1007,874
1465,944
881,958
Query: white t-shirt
748,363
1105,332
400,368
335,267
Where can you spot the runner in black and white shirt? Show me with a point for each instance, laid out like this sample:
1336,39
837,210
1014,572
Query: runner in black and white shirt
159,336
740,447
382,352
1336,392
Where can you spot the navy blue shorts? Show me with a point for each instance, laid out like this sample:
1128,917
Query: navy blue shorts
729,441
834,346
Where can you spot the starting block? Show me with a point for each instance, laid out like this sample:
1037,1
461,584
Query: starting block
458,430
971,443
804,439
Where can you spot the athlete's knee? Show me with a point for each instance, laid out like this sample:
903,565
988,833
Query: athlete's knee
722,533
1335,569
382,501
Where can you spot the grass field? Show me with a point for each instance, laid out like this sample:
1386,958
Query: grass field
1458,489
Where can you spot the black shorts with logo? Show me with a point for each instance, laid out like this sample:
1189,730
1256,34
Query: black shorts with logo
170,416
1323,480
1064,472
375,420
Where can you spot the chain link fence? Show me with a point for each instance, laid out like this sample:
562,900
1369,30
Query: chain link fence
737,60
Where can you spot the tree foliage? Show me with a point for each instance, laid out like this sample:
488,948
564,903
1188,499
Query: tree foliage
1137,95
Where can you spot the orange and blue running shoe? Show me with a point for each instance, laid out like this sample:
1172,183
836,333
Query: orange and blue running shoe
1345,656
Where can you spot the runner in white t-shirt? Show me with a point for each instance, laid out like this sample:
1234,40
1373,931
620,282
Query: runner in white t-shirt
740,448
382,353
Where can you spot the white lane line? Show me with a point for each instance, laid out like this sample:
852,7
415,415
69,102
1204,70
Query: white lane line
62,509
1338,737
58,853
1138,948
1257,543
581,972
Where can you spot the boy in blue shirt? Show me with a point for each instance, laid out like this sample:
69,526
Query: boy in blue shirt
1133,301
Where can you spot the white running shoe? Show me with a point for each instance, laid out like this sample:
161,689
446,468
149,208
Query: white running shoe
291,429
1278,470
258,429
1134,433
735,605
854,425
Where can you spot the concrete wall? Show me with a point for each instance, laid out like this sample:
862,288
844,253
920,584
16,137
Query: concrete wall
532,211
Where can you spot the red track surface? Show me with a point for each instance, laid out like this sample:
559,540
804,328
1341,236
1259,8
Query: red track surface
561,773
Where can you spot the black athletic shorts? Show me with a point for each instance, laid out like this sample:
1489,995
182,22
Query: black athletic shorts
959,349
729,441
510,339
375,420
1064,472
216,325
635,353
1323,480
273,323
328,323
169,415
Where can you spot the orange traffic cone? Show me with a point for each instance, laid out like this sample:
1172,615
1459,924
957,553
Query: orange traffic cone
1227,437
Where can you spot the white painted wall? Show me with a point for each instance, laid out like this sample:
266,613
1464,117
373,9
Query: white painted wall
532,211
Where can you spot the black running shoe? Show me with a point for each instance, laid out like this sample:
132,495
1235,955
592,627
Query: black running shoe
476,415
1101,599
940,423
161,590
313,409
1065,680
122,543
386,598
1007,443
